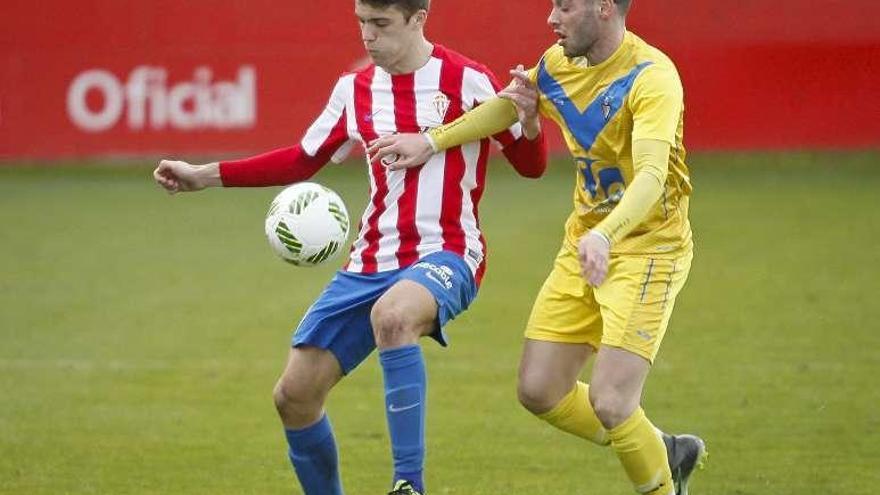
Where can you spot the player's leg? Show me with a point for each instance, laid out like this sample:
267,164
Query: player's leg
615,393
405,313
636,302
564,328
331,340
299,396
548,387
429,293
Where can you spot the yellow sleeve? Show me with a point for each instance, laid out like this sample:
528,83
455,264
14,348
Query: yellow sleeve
651,163
657,101
488,119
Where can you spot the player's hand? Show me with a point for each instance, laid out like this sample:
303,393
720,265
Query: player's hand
523,92
593,252
400,151
178,176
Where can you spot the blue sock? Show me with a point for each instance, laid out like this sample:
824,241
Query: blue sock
405,385
313,454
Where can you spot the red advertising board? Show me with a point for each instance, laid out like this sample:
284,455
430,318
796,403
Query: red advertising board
109,78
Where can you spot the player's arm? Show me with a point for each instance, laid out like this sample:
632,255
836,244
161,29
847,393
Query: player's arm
650,159
324,141
523,143
278,167
528,156
657,103
490,118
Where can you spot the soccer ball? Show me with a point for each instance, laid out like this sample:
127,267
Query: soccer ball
307,224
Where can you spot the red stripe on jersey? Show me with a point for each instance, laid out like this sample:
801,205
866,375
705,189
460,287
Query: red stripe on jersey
403,89
476,195
363,104
451,79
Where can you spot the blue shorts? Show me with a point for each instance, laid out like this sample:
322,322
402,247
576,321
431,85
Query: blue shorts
339,320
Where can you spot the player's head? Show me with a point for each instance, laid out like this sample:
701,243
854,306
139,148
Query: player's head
581,23
389,28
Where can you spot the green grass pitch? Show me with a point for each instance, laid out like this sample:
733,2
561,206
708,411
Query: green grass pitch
141,335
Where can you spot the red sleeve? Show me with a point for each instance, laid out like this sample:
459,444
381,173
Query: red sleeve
326,135
275,168
528,157
288,165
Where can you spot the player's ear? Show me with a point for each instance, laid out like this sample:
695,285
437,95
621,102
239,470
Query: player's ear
419,18
607,8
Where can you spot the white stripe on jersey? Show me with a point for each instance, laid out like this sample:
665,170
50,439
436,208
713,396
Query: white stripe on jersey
320,129
471,153
384,124
429,202
355,262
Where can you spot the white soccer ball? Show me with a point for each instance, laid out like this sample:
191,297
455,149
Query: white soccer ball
307,224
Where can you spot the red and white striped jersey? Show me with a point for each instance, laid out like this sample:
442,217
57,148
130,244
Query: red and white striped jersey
422,210
413,212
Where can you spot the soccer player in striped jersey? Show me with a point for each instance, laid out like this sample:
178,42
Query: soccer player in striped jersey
419,256
628,246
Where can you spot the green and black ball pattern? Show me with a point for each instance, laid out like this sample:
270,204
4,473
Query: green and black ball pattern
293,244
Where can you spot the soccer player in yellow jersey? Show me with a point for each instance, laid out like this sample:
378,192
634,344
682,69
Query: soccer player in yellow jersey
627,248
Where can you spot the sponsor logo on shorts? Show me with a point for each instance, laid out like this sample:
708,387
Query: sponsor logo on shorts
441,274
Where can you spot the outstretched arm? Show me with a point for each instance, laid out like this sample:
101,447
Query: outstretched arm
324,140
178,176
278,167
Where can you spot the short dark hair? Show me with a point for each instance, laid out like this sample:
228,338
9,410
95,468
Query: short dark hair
408,7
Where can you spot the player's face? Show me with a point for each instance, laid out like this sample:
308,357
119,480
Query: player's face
577,24
386,33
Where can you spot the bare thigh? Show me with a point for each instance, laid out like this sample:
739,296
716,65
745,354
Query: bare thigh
548,371
303,387
616,385
404,313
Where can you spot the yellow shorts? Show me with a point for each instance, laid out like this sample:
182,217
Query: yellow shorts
630,310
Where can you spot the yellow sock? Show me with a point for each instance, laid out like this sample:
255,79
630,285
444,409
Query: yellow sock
643,455
574,414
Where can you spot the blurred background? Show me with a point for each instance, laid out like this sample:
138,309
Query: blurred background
138,78
141,335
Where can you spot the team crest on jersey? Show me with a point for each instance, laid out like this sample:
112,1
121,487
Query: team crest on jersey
606,107
441,104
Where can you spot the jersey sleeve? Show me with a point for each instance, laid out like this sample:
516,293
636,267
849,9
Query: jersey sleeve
328,135
657,102
528,157
327,139
481,86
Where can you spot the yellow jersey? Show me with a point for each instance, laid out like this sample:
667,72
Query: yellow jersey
635,94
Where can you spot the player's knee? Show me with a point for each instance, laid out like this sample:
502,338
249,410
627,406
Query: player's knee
535,396
392,326
296,399
611,407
